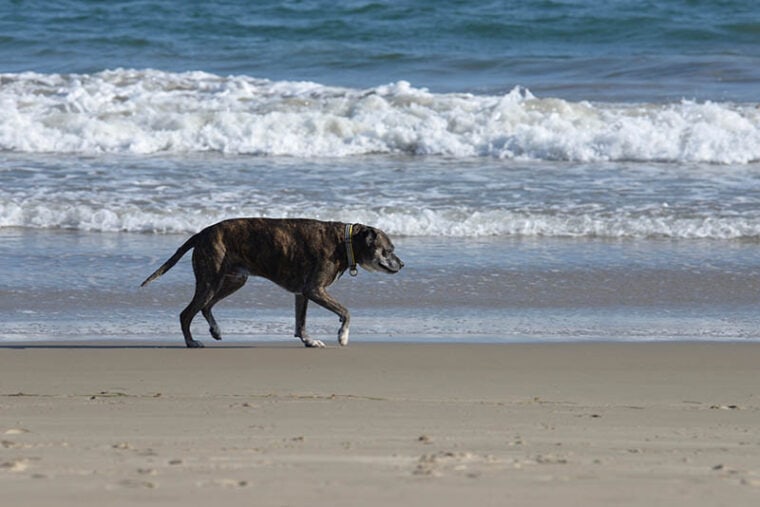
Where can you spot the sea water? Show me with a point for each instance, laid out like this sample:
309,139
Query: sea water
550,171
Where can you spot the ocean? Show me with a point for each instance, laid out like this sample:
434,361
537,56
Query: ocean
549,171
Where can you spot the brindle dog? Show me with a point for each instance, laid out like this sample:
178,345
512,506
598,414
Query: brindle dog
302,256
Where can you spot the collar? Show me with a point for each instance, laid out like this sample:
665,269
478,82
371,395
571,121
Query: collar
350,249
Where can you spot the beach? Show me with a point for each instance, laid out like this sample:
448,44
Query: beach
371,424
576,201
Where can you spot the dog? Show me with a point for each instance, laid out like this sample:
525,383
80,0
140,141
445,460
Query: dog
303,256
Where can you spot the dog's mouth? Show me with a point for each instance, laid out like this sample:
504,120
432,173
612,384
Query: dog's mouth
391,266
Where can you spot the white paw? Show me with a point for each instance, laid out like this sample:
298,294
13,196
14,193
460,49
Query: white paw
343,337
318,344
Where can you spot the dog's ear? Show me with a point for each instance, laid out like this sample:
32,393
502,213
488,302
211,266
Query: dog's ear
366,234
371,236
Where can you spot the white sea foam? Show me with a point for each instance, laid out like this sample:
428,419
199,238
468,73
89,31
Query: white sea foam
450,222
147,112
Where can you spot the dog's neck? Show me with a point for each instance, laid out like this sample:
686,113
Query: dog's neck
350,250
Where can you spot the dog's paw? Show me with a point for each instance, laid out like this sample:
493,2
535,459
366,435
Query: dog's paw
317,344
194,344
215,333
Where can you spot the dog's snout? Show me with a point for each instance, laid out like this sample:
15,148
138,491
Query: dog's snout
398,263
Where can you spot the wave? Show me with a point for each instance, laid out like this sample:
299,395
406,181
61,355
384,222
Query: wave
451,222
148,112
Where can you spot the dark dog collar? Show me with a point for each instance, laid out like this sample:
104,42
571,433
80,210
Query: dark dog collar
350,250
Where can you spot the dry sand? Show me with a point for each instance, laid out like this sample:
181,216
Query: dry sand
381,424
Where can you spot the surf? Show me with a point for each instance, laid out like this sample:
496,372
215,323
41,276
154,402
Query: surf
145,112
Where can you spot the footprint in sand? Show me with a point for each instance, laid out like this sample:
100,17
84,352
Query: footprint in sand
224,483
435,464
16,465
16,431
135,484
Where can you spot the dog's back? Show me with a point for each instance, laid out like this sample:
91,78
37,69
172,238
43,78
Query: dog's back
289,251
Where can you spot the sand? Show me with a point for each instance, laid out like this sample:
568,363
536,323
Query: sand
381,424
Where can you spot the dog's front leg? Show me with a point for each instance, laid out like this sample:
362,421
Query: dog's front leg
301,304
325,300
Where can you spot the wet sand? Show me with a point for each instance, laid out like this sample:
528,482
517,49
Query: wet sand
380,424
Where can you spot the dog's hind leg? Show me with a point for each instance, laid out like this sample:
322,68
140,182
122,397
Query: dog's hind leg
211,285
203,294
231,283
325,300
301,304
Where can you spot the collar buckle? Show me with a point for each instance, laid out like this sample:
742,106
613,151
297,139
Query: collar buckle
350,250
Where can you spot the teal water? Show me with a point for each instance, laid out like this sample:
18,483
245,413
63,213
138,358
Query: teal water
614,50
550,171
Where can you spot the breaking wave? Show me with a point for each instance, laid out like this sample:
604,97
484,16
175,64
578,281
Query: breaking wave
456,222
148,112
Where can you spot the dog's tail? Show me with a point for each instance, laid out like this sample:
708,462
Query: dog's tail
166,266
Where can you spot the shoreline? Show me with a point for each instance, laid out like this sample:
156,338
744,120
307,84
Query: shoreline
62,285
278,424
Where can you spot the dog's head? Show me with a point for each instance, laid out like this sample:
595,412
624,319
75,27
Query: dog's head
374,250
